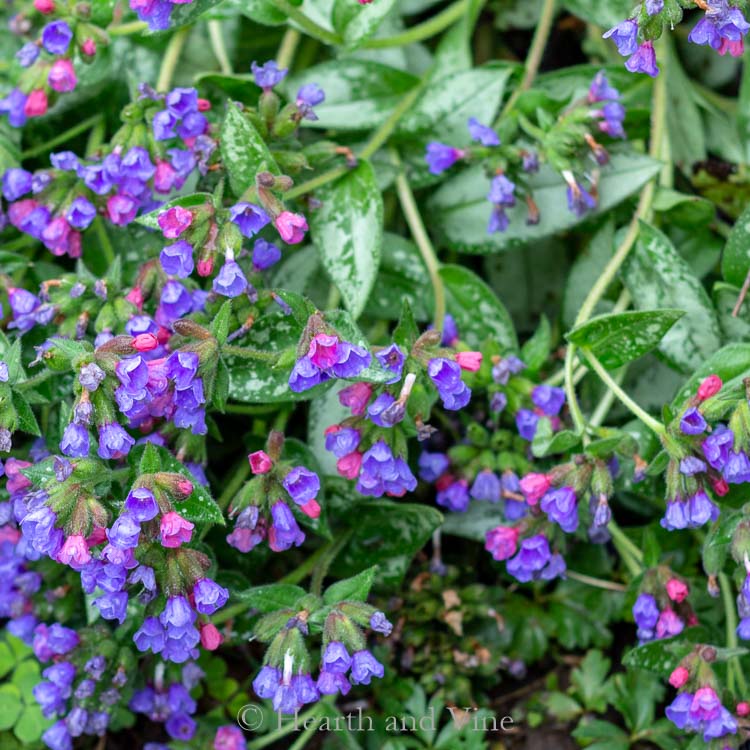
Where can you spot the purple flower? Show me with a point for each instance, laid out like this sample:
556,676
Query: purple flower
507,366
181,101
482,133
177,259
309,96
580,201
284,531
625,36
455,496
266,682
81,213
392,358
382,473
385,411
526,423
16,183
364,667
717,446
57,737
113,606
432,465
230,281
677,712
265,254
13,106
486,487
56,37
343,441
302,485
692,422
499,220
644,60
502,191
654,6
446,375
675,516
691,465
175,301
75,441
150,636
440,157
336,658
268,75
180,726
645,612
124,532
249,218
561,506
141,504
27,55
330,683
736,469
380,623
549,399
114,442
701,510
530,560
209,596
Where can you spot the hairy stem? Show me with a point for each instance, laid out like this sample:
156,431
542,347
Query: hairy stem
306,23
65,136
288,47
421,238
218,46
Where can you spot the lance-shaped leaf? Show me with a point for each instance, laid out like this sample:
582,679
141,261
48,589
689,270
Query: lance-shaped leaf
617,339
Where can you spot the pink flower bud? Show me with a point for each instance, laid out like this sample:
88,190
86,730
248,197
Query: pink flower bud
291,227
743,709
211,638
323,350
692,619
174,221
229,738
356,397
260,462
89,47
720,486
709,387
502,542
204,105
311,509
36,103
348,466
97,536
74,552
534,487
135,297
145,342
164,178
175,530
205,266
62,76
184,487
470,361
679,677
677,591
45,6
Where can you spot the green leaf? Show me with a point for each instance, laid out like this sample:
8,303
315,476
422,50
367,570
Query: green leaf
359,95
597,734
459,209
406,332
602,14
220,324
355,588
387,534
661,656
549,443
10,705
150,462
200,507
261,11
479,314
683,209
715,548
184,14
355,24
31,725
535,350
448,102
561,706
657,277
589,681
151,219
617,339
348,231
735,261
7,658
734,328
243,151
271,597
26,418
730,363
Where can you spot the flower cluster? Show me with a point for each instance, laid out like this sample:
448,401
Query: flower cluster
722,27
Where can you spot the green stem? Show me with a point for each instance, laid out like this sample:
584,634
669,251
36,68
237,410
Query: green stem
421,238
241,473
104,241
629,553
534,56
252,409
287,48
379,137
424,30
643,210
37,379
171,58
653,424
245,352
124,29
598,583
603,407
306,23
321,571
82,127
219,48
288,728
730,613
